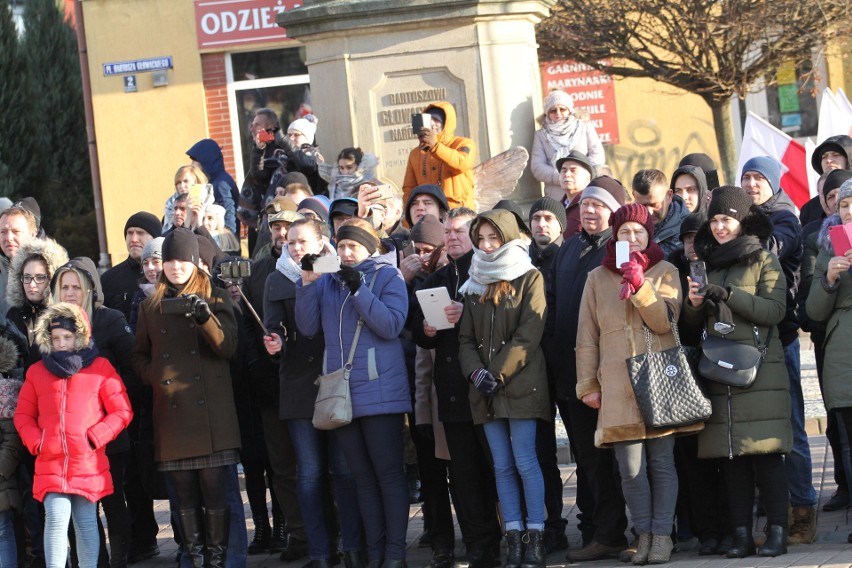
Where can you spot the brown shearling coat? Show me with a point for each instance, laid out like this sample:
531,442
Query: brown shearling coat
610,331
187,366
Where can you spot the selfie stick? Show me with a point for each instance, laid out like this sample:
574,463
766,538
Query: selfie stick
248,305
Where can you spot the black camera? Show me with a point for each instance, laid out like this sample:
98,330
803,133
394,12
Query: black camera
181,305
421,121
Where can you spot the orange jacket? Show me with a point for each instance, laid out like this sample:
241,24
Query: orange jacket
449,164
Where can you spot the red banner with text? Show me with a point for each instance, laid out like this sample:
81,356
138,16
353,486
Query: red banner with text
592,91
225,23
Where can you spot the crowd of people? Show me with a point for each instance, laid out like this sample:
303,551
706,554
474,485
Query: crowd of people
199,354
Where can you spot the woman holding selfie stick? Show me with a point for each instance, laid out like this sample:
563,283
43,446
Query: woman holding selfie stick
743,301
369,291
184,337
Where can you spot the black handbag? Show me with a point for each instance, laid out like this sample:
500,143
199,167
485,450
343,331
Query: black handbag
665,387
729,362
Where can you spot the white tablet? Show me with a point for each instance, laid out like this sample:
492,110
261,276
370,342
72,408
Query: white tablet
432,302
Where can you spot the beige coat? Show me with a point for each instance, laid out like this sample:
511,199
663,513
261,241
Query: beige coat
610,331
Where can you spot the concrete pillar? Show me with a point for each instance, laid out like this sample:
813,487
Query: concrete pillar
374,63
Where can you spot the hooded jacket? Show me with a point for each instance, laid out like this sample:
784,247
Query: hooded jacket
449,164
785,242
11,448
67,422
543,156
208,153
701,181
378,383
23,313
833,309
812,210
506,340
667,233
755,420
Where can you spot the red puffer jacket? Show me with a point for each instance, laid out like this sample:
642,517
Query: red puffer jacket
61,420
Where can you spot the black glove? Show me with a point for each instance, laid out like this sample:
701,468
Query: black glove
351,277
484,381
200,309
425,431
714,293
308,261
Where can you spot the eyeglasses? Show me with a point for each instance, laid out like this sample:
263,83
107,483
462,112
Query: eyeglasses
39,278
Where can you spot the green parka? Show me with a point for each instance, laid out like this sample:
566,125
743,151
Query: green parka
835,308
506,340
755,420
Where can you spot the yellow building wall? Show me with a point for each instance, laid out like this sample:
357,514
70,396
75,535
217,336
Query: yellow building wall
657,126
143,136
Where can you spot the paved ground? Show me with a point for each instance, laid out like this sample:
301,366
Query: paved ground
830,550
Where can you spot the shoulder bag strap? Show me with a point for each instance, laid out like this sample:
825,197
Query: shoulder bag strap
348,366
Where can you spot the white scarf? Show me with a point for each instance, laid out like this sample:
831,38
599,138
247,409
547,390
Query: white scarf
291,269
560,135
504,264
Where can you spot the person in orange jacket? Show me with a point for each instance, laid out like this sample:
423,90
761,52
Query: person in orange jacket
442,158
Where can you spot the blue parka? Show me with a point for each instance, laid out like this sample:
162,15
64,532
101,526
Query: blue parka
379,382
208,153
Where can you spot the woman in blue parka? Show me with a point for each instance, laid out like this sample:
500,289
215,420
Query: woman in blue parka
370,288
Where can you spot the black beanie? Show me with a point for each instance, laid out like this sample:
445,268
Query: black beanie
145,221
835,179
731,201
692,223
549,204
30,205
206,250
428,230
181,244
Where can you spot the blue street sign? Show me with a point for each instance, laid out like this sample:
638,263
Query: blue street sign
138,66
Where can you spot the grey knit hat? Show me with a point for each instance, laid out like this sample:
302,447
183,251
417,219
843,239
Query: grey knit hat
154,249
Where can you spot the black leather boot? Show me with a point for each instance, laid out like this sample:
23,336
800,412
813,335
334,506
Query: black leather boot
776,542
534,550
118,545
262,535
217,524
394,564
353,559
514,550
192,534
743,543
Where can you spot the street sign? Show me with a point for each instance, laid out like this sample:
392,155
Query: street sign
138,66
130,85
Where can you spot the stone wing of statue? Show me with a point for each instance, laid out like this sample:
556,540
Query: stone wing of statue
496,178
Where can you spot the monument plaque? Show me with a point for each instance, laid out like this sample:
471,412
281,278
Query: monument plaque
400,95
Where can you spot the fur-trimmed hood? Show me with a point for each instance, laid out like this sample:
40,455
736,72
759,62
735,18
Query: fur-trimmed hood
85,268
54,256
64,310
823,239
9,355
756,224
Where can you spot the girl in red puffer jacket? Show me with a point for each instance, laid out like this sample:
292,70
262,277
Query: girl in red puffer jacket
72,403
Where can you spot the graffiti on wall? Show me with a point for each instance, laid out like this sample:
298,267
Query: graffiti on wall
646,147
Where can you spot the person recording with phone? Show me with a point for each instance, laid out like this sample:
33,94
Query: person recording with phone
743,301
441,157
185,335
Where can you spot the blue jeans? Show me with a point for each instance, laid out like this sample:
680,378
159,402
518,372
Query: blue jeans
512,443
797,464
58,508
316,453
373,449
8,546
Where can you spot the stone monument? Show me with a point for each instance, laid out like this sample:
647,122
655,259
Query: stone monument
374,63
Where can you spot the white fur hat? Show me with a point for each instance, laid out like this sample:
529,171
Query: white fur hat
307,125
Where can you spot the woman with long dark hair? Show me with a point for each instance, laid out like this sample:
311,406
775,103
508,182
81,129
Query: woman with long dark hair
184,337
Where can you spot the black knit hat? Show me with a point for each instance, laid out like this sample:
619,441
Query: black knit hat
632,212
835,179
145,221
692,223
428,230
206,250
547,203
294,177
30,205
181,244
731,201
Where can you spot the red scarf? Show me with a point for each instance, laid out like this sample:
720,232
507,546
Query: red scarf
646,259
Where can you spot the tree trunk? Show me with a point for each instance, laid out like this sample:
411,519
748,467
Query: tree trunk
723,124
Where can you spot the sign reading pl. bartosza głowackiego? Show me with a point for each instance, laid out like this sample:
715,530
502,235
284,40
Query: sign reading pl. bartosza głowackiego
592,91
138,66
224,23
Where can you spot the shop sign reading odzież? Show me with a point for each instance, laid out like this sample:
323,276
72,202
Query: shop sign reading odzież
225,23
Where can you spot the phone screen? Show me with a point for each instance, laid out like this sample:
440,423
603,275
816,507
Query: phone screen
622,253
698,272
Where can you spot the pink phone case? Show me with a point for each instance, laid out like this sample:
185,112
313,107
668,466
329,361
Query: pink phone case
840,238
